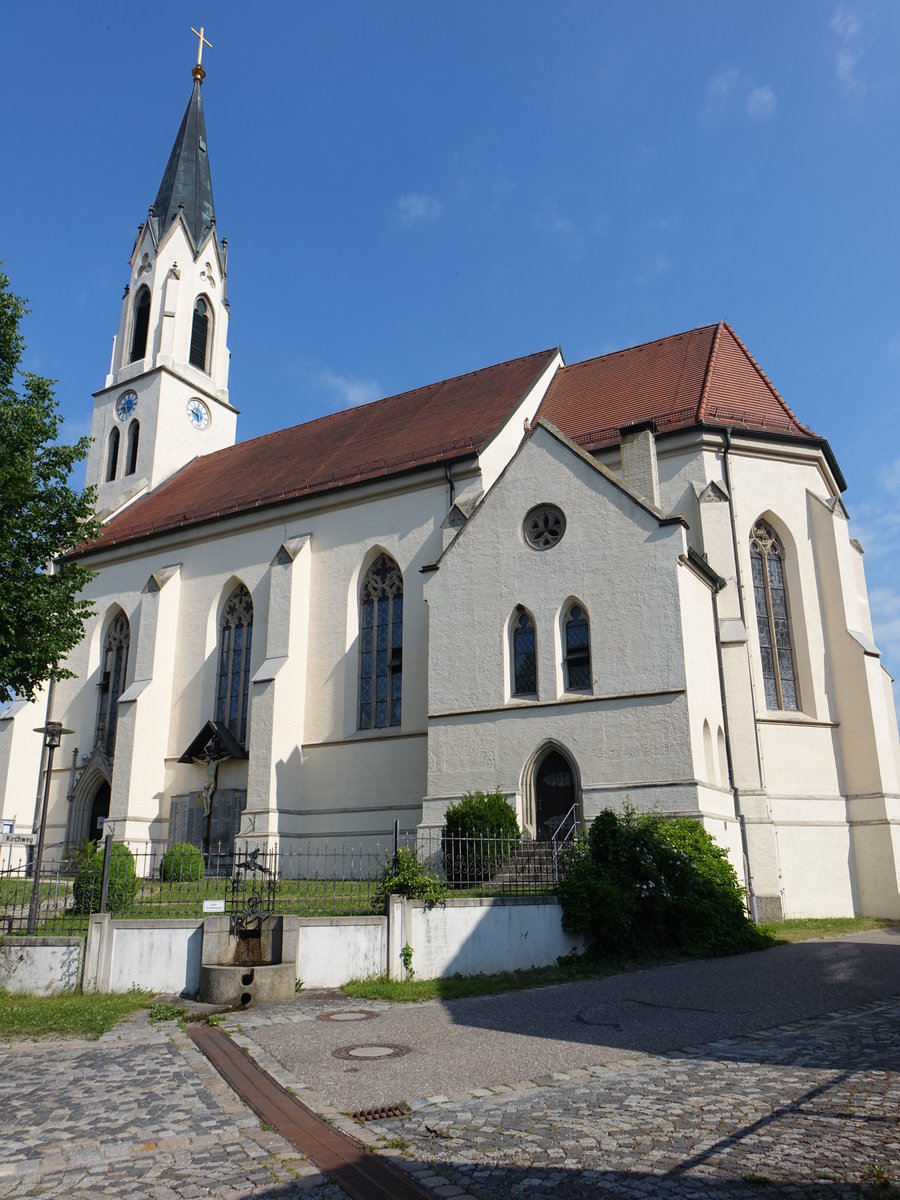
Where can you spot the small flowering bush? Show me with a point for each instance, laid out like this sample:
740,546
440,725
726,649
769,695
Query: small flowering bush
641,881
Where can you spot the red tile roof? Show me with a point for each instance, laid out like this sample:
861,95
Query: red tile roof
439,423
704,376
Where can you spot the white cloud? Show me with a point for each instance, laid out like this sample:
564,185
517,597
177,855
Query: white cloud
416,209
720,91
846,25
655,268
349,390
761,103
551,220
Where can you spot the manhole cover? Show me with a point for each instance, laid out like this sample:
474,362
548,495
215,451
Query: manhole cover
352,1014
370,1052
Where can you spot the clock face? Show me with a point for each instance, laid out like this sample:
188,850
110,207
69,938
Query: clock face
198,413
125,405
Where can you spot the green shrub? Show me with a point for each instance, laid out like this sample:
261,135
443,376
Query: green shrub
89,879
182,863
404,875
480,834
640,881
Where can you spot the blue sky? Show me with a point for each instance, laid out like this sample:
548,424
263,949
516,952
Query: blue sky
411,191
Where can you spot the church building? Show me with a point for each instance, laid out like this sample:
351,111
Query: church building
629,580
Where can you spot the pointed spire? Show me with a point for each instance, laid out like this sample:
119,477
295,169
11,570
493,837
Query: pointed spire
186,183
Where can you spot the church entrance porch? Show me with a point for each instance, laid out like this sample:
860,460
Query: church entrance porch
99,812
552,795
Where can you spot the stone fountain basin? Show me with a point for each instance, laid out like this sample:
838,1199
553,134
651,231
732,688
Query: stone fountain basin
241,986
256,965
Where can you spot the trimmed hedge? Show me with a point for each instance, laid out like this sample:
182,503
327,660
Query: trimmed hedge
480,834
182,863
122,884
639,882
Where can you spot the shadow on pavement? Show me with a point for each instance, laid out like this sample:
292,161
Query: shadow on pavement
688,1005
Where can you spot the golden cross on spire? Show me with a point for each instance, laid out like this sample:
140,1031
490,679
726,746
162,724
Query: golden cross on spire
198,71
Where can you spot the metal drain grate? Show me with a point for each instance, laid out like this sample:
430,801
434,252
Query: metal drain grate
380,1114
361,1174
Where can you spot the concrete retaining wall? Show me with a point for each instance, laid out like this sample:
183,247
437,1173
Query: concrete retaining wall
465,936
43,966
477,936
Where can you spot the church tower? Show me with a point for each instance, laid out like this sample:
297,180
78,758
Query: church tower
165,400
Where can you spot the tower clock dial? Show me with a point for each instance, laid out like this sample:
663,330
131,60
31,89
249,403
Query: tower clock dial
125,405
198,413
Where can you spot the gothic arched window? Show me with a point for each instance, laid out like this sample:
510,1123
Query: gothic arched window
141,325
773,618
233,682
578,650
131,451
112,682
112,453
199,335
380,645
524,656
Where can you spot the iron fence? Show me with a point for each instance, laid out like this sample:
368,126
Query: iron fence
144,881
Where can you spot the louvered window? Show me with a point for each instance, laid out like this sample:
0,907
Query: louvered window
524,655
141,325
199,335
381,645
134,433
112,682
773,619
235,644
578,650
112,453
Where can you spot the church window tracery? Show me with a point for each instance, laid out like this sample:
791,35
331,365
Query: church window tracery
141,325
381,645
112,454
578,650
233,682
134,433
524,656
112,682
199,334
773,618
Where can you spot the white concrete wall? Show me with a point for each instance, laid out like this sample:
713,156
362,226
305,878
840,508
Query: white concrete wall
335,949
41,966
474,937
160,956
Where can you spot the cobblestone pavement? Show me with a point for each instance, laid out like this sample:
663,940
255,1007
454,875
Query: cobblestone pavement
760,1115
139,1113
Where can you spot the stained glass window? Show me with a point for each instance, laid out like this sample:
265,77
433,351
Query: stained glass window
524,657
112,682
235,644
381,645
578,650
773,618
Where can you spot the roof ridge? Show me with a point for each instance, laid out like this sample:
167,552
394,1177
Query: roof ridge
768,382
710,366
671,337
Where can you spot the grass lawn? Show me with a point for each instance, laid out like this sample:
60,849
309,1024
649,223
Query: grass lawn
74,1015
825,927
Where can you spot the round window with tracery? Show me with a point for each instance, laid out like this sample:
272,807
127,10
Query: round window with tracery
544,526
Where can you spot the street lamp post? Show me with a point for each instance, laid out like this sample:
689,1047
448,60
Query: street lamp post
52,732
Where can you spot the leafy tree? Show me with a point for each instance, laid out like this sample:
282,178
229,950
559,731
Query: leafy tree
41,518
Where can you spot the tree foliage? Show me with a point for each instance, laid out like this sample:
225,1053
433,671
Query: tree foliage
642,881
41,518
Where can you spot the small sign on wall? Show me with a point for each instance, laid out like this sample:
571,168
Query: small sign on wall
211,906
19,839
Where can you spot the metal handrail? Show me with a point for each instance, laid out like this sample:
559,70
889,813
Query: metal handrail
571,816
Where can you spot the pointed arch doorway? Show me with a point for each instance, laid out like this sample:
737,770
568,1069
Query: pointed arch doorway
553,790
99,812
